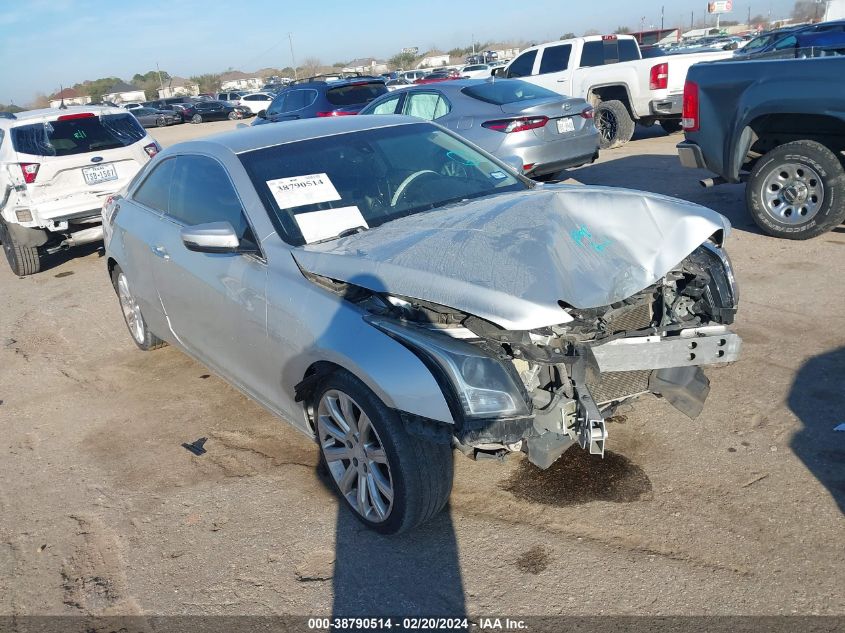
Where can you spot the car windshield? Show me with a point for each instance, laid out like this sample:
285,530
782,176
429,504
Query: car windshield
507,91
353,94
77,135
368,178
761,42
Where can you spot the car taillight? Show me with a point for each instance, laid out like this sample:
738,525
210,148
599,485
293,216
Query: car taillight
30,171
690,121
516,125
336,113
152,149
587,113
659,77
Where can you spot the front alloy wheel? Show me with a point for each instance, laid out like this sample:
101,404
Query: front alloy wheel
135,322
391,479
355,456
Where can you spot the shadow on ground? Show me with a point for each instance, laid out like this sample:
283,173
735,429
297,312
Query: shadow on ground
49,262
817,397
413,574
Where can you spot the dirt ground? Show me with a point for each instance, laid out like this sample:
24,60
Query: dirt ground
102,511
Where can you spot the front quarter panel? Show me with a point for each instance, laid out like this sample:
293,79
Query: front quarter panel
309,324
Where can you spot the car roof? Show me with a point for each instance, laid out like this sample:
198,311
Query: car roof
30,116
257,137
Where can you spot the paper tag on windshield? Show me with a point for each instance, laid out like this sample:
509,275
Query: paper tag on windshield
318,225
301,190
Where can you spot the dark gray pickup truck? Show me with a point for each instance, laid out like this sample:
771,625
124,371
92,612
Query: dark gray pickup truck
778,125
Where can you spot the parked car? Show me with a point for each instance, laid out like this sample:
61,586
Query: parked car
437,76
152,117
774,42
233,96
57,166
132,105
308,99
509,118
395,84
393,292
778,125
476,71
413,75
217,111
255,102
608,71
184,110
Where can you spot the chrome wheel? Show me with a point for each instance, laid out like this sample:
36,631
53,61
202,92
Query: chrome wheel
792,193
131,311
355,455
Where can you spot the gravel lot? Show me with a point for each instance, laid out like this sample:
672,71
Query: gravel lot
739,512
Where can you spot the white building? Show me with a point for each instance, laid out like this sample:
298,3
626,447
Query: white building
366,66
179,87
70,97
237,80
124,93
433,60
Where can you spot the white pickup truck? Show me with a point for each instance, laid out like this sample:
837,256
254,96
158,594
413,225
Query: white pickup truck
610,73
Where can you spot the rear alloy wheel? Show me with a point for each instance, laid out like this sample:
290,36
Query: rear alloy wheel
141,334
797,191
161,121
197,118
233,115
671,126
391,480
615,125
23,260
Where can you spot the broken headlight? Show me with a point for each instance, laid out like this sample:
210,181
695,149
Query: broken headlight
483,385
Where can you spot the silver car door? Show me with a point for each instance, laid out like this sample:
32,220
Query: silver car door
138,224
215,302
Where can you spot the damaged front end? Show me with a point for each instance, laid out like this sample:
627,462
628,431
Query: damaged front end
545,390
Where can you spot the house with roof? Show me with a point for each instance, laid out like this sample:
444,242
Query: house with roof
237,80
70,97
433,59
366,66
179,87
122,92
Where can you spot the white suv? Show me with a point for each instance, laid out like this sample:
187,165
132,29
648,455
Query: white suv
57,168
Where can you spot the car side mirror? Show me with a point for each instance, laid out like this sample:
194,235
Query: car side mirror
499,71
213,237
514,162
262,114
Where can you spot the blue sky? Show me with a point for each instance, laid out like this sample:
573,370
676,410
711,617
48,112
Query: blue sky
45,43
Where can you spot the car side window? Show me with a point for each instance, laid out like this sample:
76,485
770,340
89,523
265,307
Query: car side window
426,105
154,192
522,65
555,59
201,191
787,42
299,99
388,106
277,106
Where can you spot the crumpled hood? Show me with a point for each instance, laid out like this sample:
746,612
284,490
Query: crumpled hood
511,258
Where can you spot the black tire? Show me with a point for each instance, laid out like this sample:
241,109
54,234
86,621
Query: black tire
671,126
814,187
142,337
23,260
197,118
616,127
421,472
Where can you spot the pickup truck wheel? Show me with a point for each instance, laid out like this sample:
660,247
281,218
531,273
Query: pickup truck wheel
391,480
797,191
141,334
615,125
23,260
671,126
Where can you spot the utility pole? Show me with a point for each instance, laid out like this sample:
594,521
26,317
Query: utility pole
661,18
292,58
473,44
160,82
749,17
691,19
642,26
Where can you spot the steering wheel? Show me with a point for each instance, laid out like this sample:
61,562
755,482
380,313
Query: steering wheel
400,190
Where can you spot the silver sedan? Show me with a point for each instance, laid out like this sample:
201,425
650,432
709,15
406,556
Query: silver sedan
517,121
394,293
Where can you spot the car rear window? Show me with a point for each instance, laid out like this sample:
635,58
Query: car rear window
507,91
353,94
78,135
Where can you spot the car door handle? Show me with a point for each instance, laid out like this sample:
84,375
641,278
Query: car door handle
160,251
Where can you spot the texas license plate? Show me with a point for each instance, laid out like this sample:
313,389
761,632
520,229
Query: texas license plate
565,125
99,173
